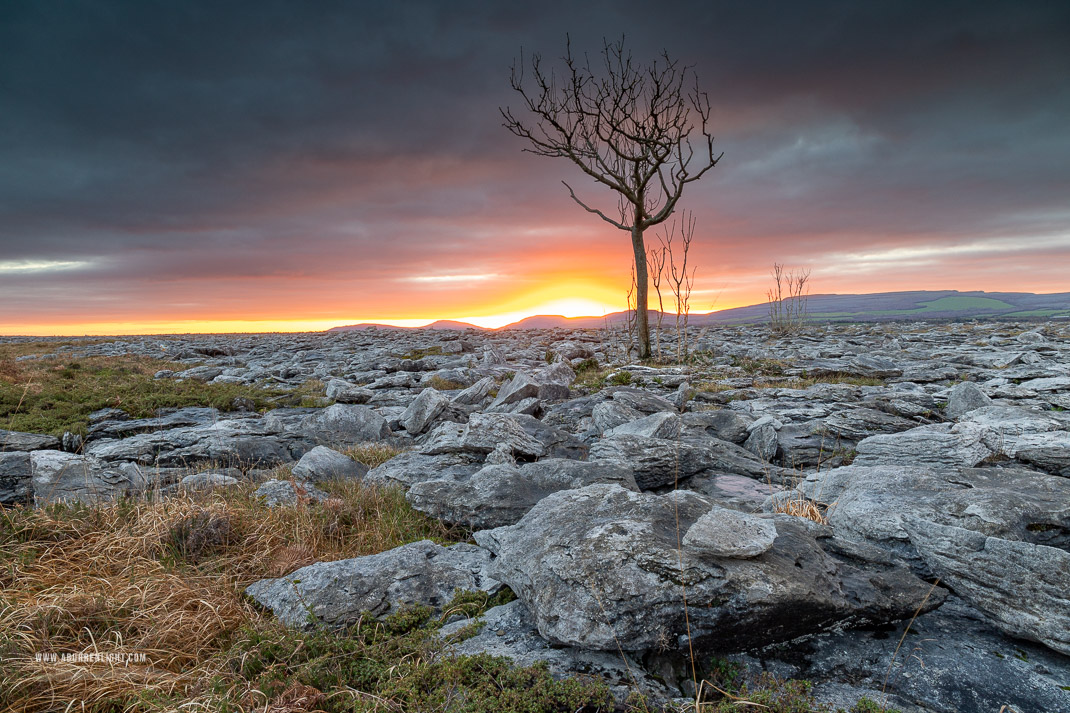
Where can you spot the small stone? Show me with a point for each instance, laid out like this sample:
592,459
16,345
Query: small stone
729,533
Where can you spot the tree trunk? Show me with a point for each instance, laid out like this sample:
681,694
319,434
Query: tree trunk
643,325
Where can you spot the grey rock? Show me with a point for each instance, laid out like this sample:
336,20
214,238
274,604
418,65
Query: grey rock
655,462
1031,337
642,400
346,424
871,503
344,392
66,477
283,493
940,444
724,424
1047,451
763,442
413,467
15,478
727,533
664,424
501,455
200,373
520,387
474,394
337,593
734,491
1023,588
951,661
856,424
322,464
244,443
600,568
15,441
485,431
500,495
206,481
423,411
610,414
509,631
965,397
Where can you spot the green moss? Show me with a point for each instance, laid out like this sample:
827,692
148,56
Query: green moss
57,394
393,664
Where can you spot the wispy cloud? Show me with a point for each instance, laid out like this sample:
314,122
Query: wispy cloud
19,266
451,279
924,255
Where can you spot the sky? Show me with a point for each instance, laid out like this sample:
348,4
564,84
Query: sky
280,166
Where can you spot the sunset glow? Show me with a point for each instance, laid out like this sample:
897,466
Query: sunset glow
333,168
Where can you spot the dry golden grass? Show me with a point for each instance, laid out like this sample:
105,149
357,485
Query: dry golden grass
163,579
374,453
801,507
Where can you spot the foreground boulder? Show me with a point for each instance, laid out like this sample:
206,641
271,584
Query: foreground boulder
600,568
872,503
1023,588
15,478
338,593
345,424
66,477
322,464
502,494
952,661
509,631
16,441
959,445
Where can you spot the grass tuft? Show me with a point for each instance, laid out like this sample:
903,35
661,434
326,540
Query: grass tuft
163,579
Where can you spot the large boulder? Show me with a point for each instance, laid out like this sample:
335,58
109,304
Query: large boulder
243,443
322,463
343,392
509,631
611,414
949,661
965,397
520,387
664,424
601,568
423,411
724,424
66,477
338,593
502,494
482,434
284,493
346,424
412,467
15,478
960,445
855,424
1023,588
16,441
474,394
871,503
659,462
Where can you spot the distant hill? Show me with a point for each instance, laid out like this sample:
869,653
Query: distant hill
922,304
440,324
877,307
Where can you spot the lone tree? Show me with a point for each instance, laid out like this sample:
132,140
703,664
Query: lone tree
628,127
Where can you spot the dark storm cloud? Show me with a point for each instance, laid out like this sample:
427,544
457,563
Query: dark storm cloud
170,141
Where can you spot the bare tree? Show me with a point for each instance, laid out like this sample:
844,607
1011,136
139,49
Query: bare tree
787,299
656,263
631,317
628,128
680,280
